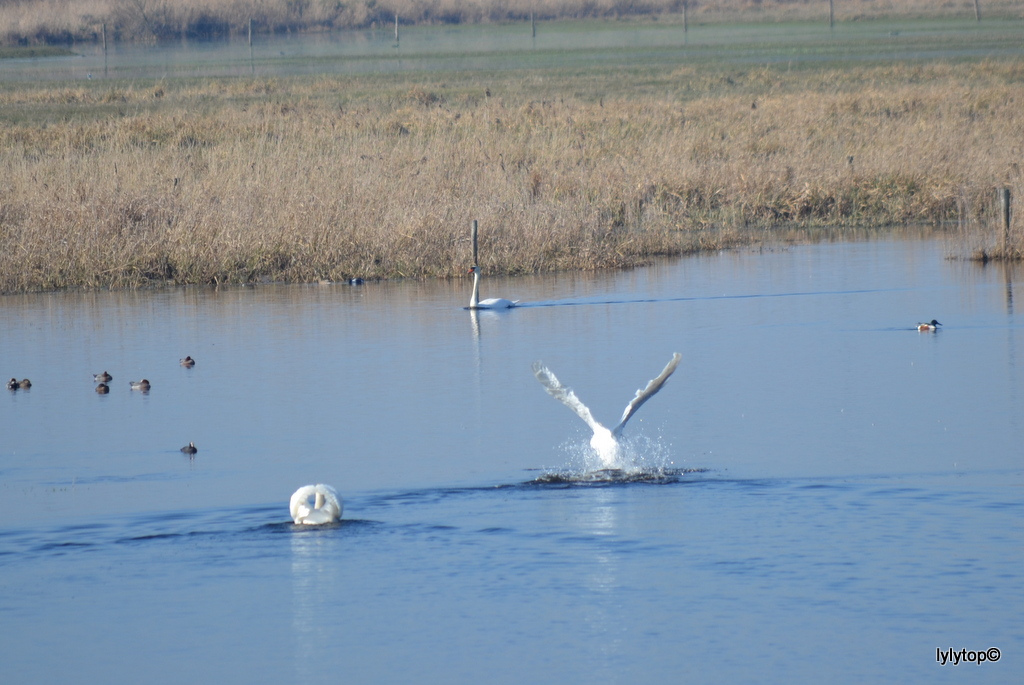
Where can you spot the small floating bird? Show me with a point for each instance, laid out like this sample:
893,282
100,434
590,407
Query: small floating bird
103,388
25,384
355,281
605,442
142,385
313,505
12,384
189,448
102,377
932,325
490,303
188,362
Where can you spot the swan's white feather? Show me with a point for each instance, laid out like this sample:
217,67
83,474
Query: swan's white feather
647,393
326,506
495,303
564,395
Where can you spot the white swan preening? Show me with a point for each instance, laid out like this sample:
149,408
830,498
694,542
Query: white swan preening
314,505
490,303
605,442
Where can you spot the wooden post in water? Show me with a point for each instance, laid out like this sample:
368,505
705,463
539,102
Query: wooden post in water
831,15
1004,205
686,7
250,32
474,241
533,24
977,11
103,29
396,27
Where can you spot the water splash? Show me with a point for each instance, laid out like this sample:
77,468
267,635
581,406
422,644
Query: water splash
639,459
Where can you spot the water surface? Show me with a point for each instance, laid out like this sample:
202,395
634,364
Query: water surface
844,494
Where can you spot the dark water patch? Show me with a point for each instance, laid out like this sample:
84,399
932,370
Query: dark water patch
156,536
609,477
64,546
162,476
708,298
895,492
825,486
1000,505
547,480
85,527
753,566
430,495
348,526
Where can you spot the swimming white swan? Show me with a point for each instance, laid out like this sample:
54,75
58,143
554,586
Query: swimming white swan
315,504
490,303
605,442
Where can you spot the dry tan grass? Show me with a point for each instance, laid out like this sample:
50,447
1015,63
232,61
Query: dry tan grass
301,180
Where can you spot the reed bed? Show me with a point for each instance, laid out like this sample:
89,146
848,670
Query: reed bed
29,22
239,181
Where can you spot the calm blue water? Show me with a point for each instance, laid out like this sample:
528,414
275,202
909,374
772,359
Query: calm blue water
844,494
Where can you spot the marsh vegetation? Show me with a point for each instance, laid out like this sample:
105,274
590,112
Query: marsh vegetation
130,182
121,185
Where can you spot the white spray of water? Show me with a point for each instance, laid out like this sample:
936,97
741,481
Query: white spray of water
638,458
607,445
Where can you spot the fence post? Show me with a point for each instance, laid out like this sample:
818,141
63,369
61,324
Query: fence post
252,62
1004,205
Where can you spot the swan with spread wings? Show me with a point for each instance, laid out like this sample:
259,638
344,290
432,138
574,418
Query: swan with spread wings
605,442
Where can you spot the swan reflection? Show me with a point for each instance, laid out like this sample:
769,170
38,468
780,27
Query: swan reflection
314,576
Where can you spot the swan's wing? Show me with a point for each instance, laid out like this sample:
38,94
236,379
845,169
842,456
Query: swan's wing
298,505
328,507
563,394
496,303
333,504
647,393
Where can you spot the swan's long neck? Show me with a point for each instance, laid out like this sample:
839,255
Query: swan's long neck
475,298
606,444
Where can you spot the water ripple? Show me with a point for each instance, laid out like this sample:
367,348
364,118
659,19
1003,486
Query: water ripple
608,477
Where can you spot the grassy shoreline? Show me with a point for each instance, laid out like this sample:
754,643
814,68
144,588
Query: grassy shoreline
124,184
